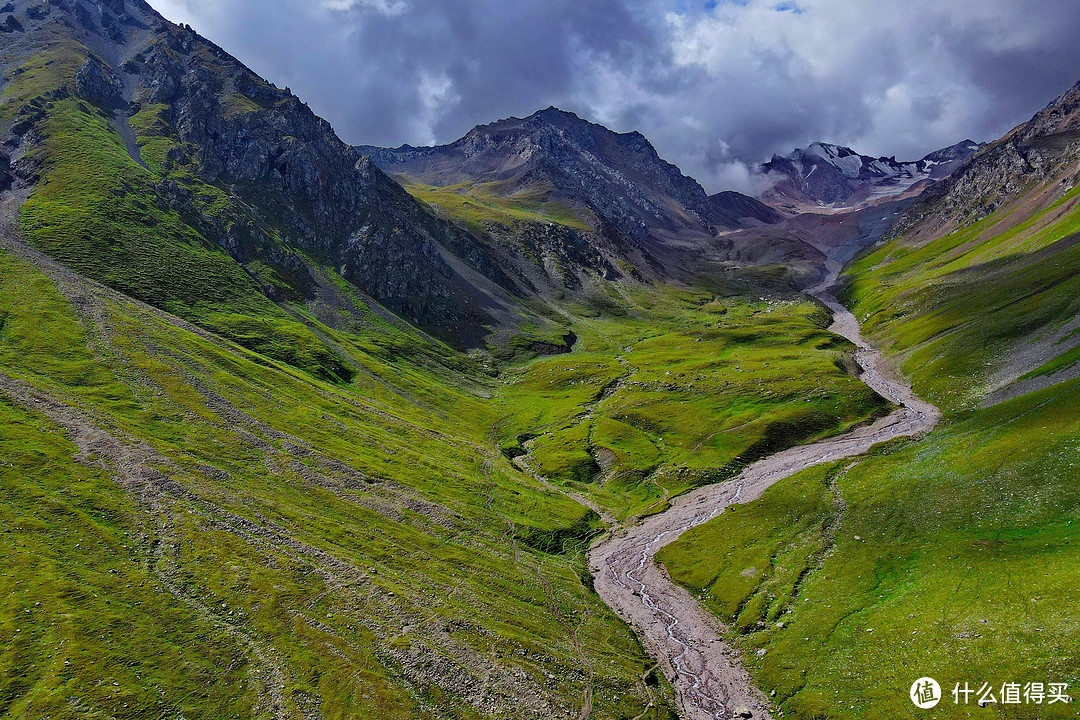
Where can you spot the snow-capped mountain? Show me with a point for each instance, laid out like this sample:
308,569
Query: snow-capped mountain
825,175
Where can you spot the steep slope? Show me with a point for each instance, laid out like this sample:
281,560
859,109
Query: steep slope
950,556
977,290
193,530
639,211
250,190
824,175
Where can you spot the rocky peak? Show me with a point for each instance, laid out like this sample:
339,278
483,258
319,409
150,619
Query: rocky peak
618,177
284,170
833,175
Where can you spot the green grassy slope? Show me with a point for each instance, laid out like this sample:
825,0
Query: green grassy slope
477,204
666,389
953,310
953,556
684,388
338,538
103,214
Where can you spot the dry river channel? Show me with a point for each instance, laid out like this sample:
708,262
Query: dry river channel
686,639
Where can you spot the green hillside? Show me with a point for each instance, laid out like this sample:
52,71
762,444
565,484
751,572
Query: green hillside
952,556
956,310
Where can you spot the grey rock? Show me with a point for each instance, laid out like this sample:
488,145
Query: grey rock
638,200
97,83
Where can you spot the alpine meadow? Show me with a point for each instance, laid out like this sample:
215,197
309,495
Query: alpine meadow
530,423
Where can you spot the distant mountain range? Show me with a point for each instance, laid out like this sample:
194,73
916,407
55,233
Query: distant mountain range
639,212
825,175
556,155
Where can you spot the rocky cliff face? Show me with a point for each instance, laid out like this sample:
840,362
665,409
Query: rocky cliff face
834,176
295,192
1045,149
617,178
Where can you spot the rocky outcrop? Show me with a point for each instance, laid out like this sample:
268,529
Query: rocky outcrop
1045,147
735,210
270,149
618,178
99,84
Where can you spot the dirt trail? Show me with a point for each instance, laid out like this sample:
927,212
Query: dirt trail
686,639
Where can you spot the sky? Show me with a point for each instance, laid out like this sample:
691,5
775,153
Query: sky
718,86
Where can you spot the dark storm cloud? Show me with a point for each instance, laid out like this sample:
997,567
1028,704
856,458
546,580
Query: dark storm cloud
717,86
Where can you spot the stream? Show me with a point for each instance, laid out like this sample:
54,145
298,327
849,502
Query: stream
683,637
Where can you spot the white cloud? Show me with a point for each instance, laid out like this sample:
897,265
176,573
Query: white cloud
386,7
716,90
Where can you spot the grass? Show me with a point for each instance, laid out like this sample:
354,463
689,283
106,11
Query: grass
682,383
953,308
99,212
478,204
951,556
86,630
443,522
396,474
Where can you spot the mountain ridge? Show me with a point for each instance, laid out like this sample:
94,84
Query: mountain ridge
834,176
239,162
1002,171
636,191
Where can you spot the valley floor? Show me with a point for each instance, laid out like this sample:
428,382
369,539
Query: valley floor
952,555
704,668
192,528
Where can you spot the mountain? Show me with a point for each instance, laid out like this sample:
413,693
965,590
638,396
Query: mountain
834,176
256,200
561,166
1033,154
955,550
252,218
984,263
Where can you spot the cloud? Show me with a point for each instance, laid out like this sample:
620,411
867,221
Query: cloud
717,86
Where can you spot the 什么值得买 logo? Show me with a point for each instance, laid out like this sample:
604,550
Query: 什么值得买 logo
925,693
